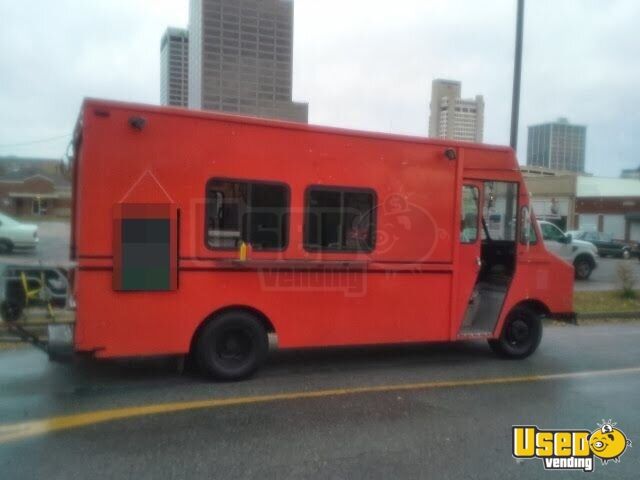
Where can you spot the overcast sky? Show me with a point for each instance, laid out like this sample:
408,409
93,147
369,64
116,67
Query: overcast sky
363,64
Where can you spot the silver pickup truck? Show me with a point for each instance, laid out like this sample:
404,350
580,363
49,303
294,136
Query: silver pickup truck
582,255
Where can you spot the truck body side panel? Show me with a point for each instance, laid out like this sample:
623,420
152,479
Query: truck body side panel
399,292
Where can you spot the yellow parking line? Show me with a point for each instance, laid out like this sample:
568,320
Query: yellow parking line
18,431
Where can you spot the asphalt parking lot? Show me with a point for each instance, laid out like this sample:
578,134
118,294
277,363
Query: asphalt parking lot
419,411
605,277
53,246
423,411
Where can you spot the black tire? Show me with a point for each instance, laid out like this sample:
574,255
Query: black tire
6,246
520,335
15,301
583,266
232,346
11,311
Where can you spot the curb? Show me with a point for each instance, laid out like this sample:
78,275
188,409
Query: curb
608,315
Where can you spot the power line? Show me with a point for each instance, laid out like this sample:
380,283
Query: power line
35,142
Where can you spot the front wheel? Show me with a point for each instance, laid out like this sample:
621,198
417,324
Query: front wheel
232,346
583,268
626,254
520,335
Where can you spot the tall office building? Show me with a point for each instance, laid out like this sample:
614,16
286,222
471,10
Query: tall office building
453,116
174,68
557,145
241,56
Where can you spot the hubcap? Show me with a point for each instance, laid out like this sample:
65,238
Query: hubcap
519,331
233,347
583,269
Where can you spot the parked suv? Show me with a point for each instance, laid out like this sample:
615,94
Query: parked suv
604,243
583,255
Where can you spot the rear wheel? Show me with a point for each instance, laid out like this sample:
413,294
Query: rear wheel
583,267
232,346
11,311
15,300
520,335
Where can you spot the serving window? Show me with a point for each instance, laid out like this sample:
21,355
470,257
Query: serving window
339,219
256,213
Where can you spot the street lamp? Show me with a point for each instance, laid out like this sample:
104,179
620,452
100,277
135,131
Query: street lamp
517,74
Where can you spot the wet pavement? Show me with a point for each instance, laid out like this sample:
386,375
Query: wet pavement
454,420
52,249
605,277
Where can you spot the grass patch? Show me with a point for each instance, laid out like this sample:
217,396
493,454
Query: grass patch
611,301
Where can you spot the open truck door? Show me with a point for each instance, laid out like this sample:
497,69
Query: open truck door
487,259
470,252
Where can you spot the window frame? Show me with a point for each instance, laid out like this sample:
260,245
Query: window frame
338,189
249,182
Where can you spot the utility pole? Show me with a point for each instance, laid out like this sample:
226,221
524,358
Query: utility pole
517,75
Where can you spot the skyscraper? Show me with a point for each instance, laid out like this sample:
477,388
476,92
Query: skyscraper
174,68
557,145
452,116
241,56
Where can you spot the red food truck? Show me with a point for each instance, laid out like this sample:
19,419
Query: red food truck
201,233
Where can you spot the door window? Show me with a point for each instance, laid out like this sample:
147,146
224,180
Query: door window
339,219
501,210
39,206
527,232
250,212
470,210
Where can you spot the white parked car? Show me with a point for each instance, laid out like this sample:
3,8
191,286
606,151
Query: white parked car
14,234
583,255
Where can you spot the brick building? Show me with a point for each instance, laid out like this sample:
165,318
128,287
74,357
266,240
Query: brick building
578,202
33,187
609,205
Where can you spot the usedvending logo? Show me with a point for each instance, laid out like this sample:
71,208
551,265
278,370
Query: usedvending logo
570,449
